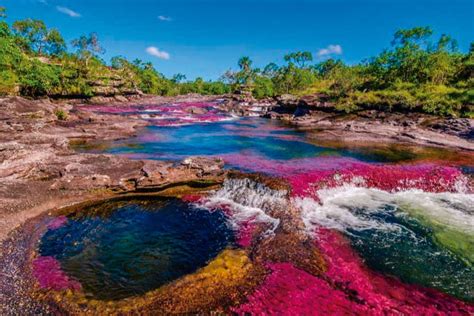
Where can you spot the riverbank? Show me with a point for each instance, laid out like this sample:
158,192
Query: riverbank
39,170
314,113
41,173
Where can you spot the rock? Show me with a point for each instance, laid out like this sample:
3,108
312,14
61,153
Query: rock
120,98
287,100
462,127
205,164
317,101
196,110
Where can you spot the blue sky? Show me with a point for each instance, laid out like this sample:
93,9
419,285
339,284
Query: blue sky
206,37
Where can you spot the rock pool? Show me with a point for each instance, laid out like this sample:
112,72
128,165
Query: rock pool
132,247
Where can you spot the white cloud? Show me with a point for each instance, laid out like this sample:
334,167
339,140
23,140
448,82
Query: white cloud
330,50
154,51
165,18
68,11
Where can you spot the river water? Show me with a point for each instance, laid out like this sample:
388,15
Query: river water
394,225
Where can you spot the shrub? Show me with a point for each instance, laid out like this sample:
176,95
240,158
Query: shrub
39,79
61,114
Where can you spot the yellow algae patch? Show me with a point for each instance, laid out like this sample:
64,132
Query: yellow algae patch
224,282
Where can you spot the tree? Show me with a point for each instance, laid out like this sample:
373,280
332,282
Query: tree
177,78
270,70
4,28
34,33
299,58
36,37
244,78
415,37
245,64
443,61
54,43
87,47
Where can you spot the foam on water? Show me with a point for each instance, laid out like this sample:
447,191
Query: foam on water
421,237
246,201
335,209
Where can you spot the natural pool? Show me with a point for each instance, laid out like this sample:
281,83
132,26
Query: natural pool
351,228
130,248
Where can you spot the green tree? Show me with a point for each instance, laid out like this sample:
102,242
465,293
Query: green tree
299,58
270,70
87,47
177,78
54,43
37,38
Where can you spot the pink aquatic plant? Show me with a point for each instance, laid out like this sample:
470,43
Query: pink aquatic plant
426,177
58,222
347,288
167,114
291,291
245,234
381,295
47,270
283,168
192,198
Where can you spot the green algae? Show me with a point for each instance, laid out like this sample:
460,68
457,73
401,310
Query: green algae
458,240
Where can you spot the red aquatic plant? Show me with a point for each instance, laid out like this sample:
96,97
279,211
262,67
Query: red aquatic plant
291,291
379,294
58,222
426,177
47,270
167,114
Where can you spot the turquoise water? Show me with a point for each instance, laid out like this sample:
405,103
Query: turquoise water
252,137
409,252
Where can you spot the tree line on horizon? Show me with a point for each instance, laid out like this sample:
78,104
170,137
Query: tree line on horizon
416,73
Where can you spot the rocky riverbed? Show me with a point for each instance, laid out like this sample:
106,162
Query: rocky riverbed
39,170
316,114
41,173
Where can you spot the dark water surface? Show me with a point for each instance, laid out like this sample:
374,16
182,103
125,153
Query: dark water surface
134,248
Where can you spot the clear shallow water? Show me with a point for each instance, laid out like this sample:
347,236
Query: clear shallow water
246,138
133,248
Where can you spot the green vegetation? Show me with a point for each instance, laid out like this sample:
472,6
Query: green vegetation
61,114
35,61
417,73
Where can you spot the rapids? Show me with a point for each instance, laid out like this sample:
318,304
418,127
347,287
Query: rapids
349,229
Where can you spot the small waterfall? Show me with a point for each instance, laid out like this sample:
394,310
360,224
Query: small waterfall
247,201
